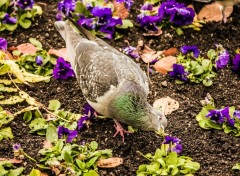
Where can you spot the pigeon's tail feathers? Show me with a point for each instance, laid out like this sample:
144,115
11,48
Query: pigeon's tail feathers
60,26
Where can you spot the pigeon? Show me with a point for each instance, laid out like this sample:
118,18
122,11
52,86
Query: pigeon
223,5
112,83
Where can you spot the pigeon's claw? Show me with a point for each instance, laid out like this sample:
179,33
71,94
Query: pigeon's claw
119,129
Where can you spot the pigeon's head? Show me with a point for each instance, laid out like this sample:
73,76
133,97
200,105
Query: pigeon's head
156,120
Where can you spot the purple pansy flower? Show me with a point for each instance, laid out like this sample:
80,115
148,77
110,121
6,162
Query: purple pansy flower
148,22
147,6
8,19
62,70
187,49
178,13
171,140
39,60
222,59
178,148
59,16
109,28
103,13
88,110
16,147
218,116
237,114
89,6
25,4
86,22
178,72
81,121
131,51
66,6
71,134
174,143
3,44
236,64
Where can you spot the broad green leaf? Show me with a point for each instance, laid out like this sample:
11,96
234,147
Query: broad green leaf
211,54
94,145
192,165
174,171
206,64
4,2
11,27
236,166
51,133
3,172
8,89
125,24
16,172
81,164
24,20
36,43
91,162
153,167
5,117
27,116
67,157
172,159
6,133
81,9
207,82
4,69
91,173
38,124
54,105
179,31
37,10
12,100
35,172
214,125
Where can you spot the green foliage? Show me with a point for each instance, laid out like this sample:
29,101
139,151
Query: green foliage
80,159
207,123
167,163
8,169
24,17
28,61
236,166
6,133
200,69
5,117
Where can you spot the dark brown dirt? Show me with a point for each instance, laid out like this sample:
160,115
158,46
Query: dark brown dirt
215,151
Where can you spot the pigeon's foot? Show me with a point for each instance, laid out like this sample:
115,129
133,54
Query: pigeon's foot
119,129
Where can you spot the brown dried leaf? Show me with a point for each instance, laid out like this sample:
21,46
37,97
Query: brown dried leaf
27,48
60,53
55,170
152,33
170,52
13,161
120,10
212,12
110,162
166,105
165,64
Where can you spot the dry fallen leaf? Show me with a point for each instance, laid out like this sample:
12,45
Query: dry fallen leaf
152,33
170,52
166,105
60,53
212,12
120,10
165,64
110,162
13,161
27,48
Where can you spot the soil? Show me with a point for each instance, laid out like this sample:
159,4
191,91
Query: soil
216,151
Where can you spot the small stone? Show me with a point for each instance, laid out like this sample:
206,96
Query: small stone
164,83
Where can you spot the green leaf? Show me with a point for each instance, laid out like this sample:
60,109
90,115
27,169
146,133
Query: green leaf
67,157
5,117
6,133
179,31
16,53
37,10
206,64
94,145
16,172
54,105
37,124
27,117
36,43
172,159
12,100
51,133
236,166
4,69
91,173
24,22
207,82
3,172
4,2
91,162
211,54
11,27
81,164
125,24
192,165
153,167
81,9
35,172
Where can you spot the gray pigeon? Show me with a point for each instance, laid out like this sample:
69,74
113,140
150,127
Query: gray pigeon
113,84
223,5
